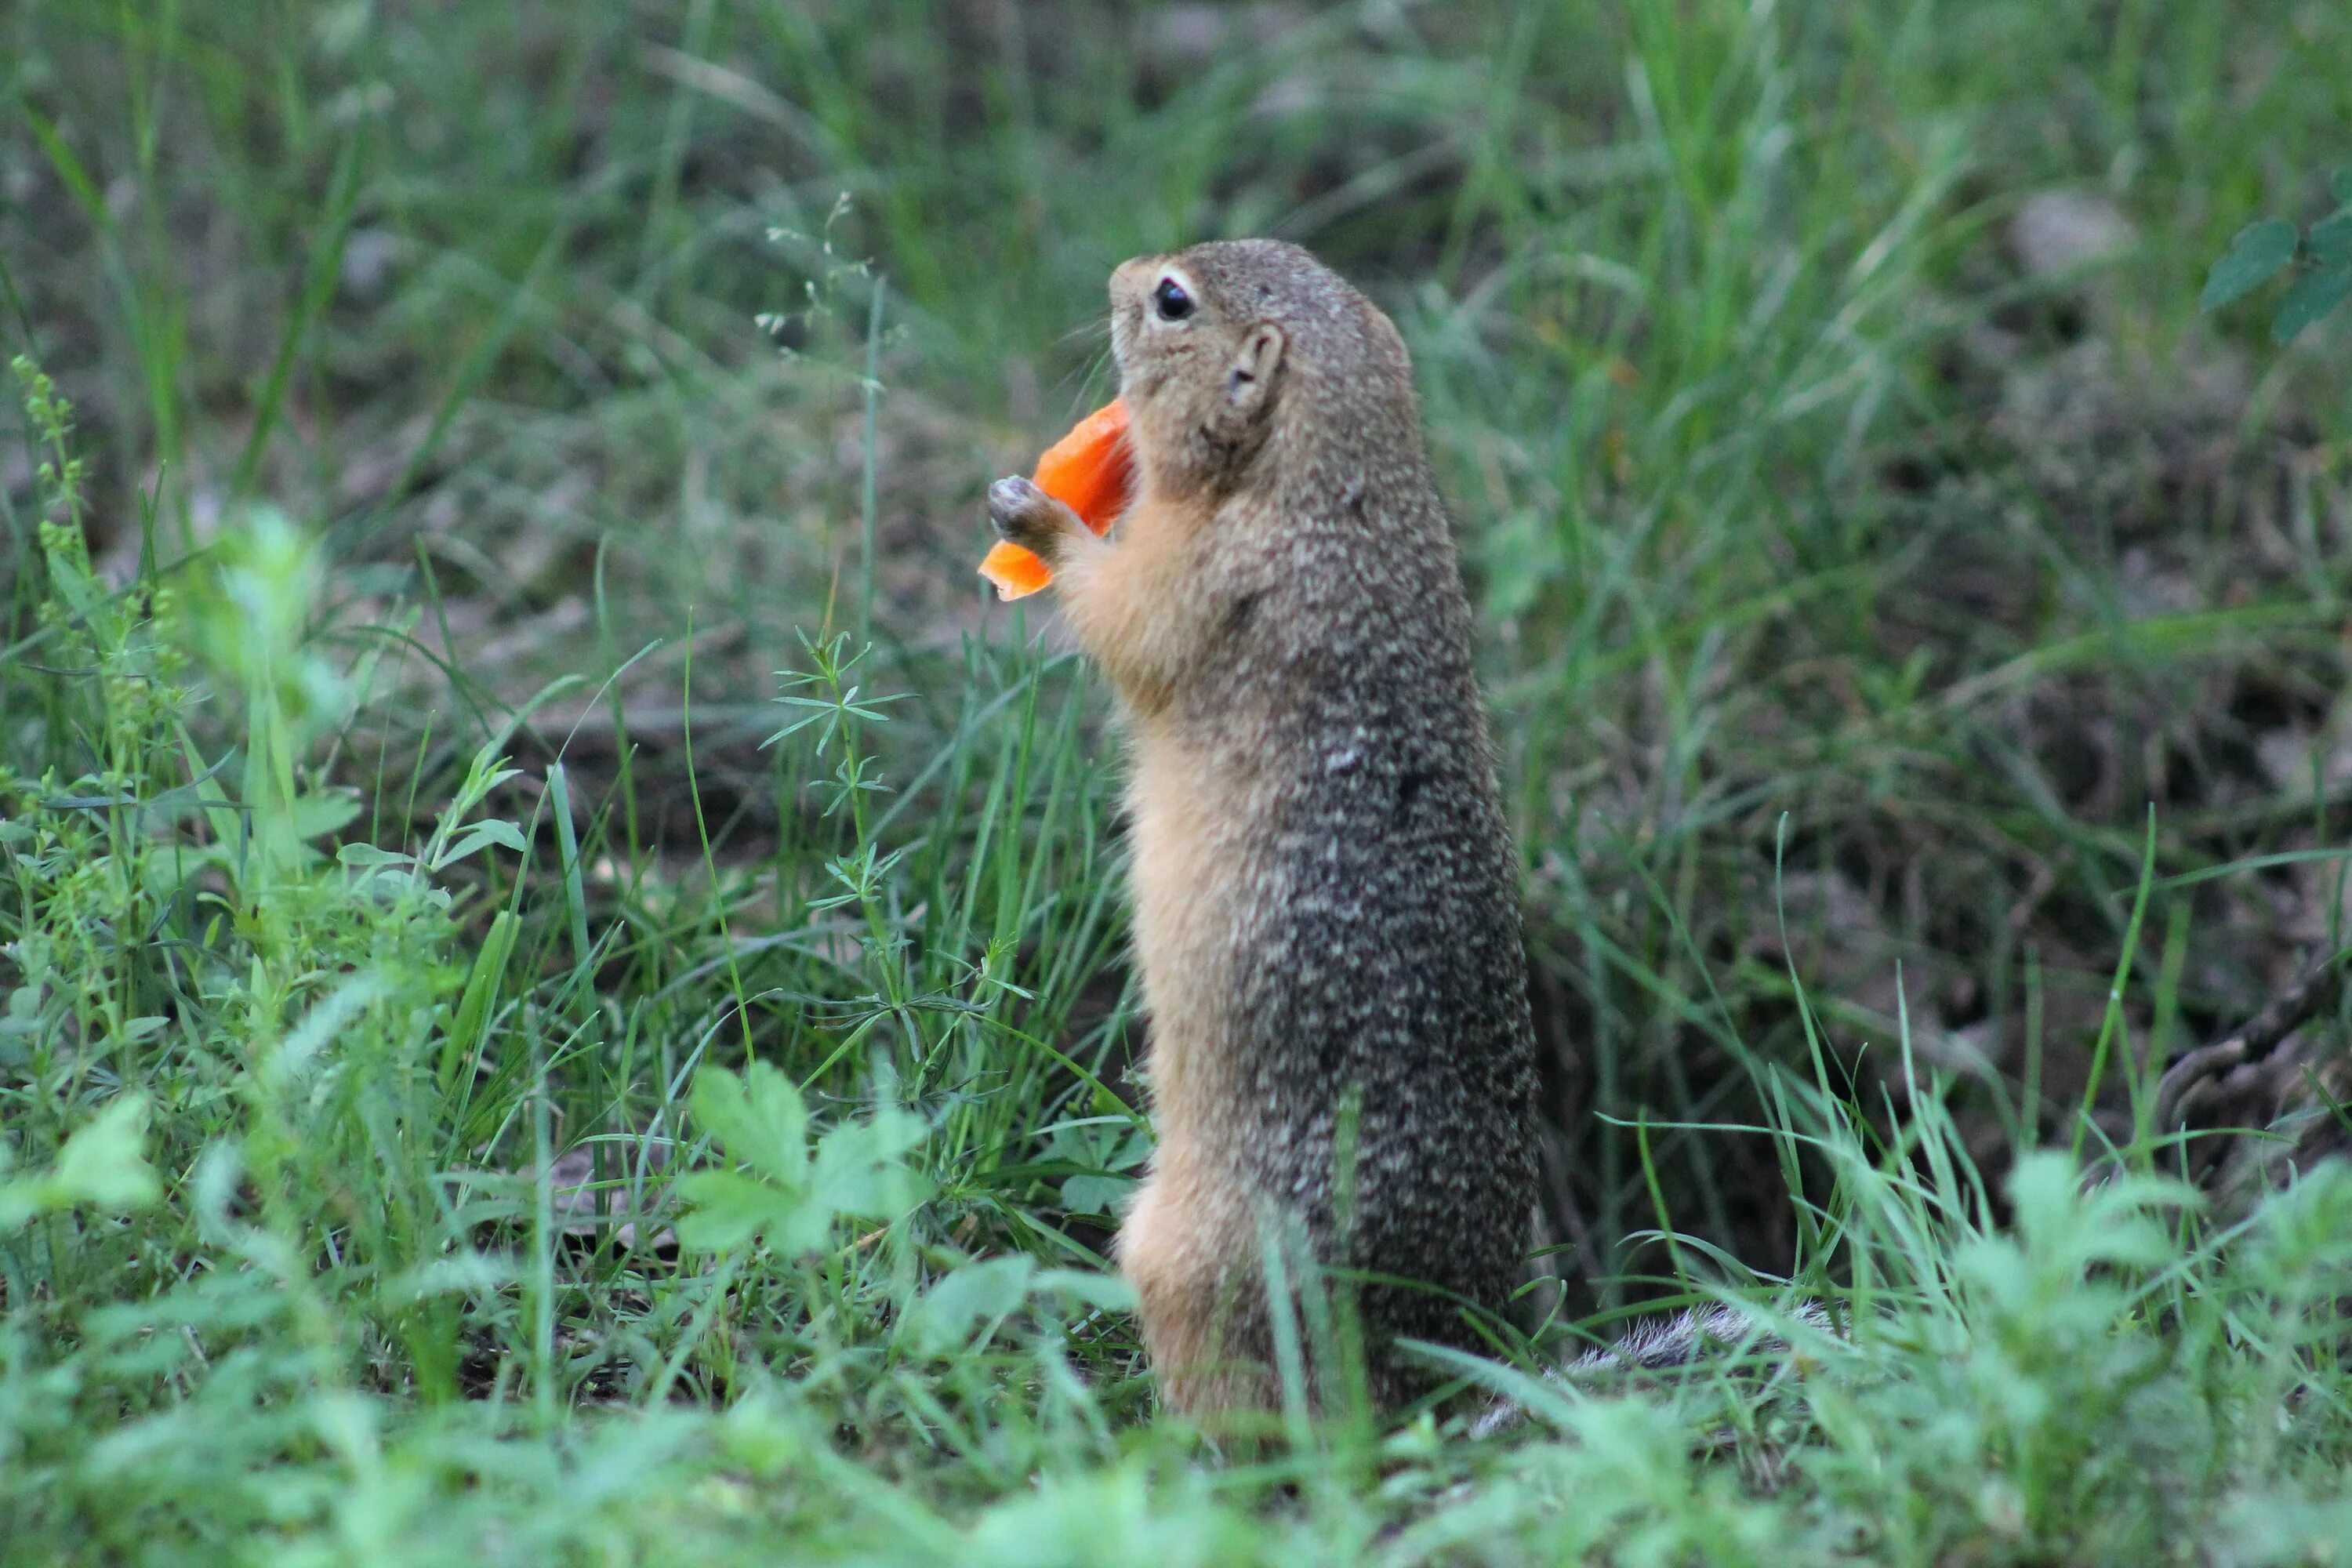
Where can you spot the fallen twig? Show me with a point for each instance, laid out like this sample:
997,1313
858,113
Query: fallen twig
2194,1082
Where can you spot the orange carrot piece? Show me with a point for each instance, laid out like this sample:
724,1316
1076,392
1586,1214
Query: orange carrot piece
1017,573
1087,470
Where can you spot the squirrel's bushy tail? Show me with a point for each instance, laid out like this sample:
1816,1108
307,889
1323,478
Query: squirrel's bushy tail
1655,1344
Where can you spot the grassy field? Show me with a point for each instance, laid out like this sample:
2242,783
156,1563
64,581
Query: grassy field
564,966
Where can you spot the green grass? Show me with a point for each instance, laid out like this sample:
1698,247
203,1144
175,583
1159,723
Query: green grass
417,881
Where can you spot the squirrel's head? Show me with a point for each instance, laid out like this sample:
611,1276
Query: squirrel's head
1235,349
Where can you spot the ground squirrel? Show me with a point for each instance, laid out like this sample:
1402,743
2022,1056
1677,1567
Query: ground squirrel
1325,895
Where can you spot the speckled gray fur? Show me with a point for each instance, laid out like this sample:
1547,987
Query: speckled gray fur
1381,963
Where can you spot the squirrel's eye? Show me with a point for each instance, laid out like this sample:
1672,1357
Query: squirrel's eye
1171,301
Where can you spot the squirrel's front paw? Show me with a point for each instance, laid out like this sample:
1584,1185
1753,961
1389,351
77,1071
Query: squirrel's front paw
1032,519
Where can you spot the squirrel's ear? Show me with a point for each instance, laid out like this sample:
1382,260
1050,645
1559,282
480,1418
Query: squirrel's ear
1252,373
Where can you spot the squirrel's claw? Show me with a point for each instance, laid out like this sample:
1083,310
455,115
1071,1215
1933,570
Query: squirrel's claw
1030,518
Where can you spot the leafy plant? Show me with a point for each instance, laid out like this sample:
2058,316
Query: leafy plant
2317,259
794,1193
101,1167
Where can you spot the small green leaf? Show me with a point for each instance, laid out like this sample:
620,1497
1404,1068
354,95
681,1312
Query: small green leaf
2330,240
760,1121
2253,259
858,1169
986,1291
102,1166
1108,1292
2314,295
1095,1194
322,812
497,831
729,1209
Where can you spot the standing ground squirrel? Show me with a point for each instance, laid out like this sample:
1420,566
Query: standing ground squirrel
1326,894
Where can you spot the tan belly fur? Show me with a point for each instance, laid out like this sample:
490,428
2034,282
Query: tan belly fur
1191,1224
